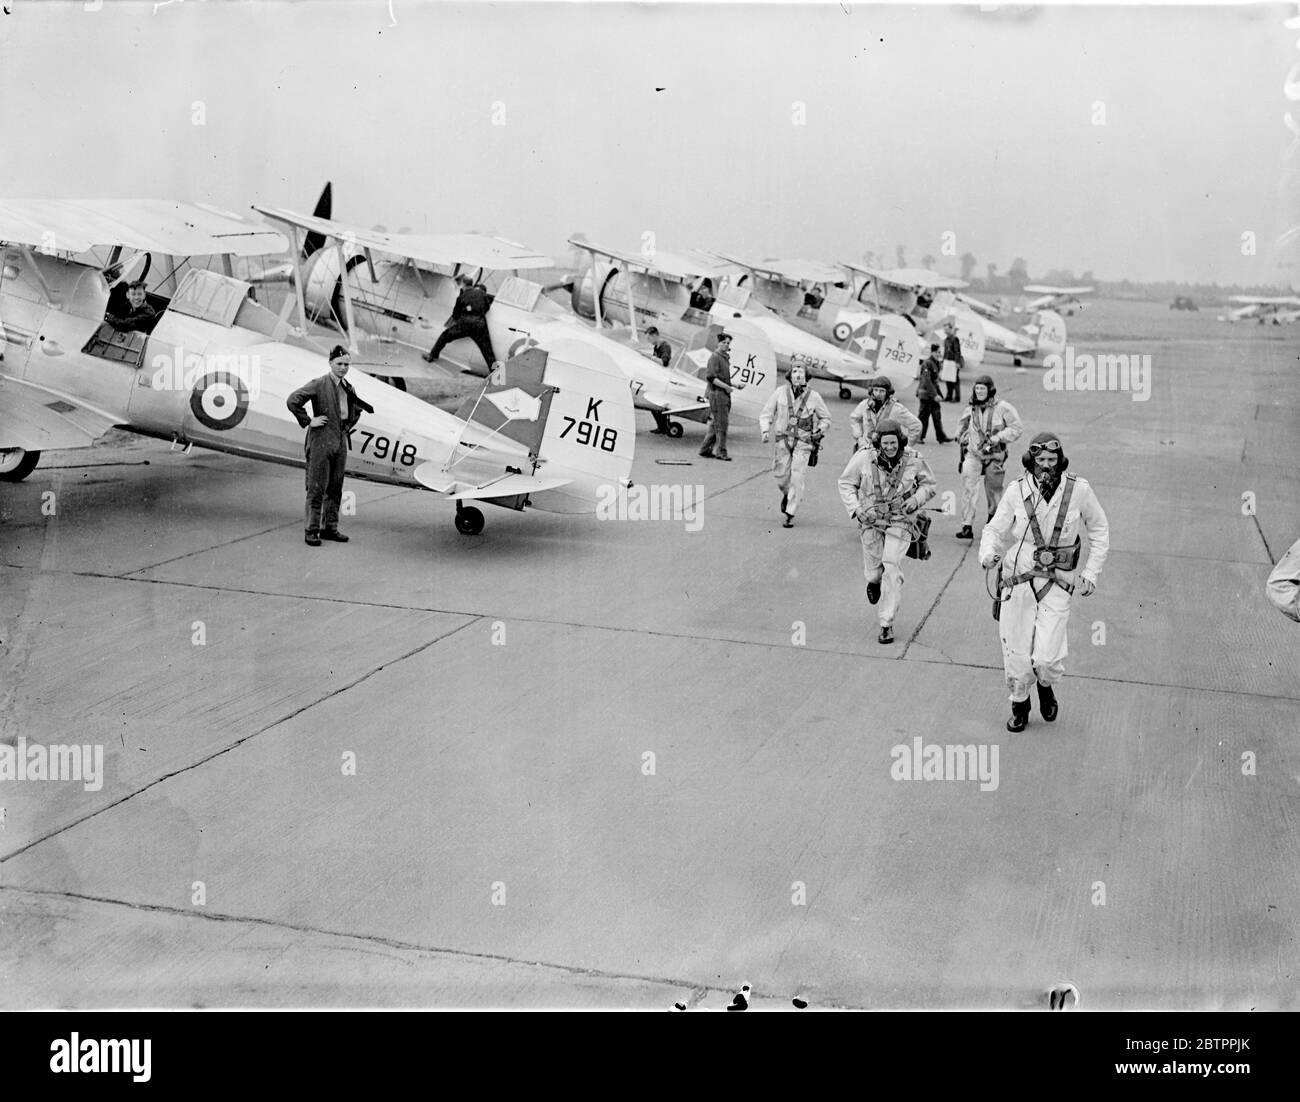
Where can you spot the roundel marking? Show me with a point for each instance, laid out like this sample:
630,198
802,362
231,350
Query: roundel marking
220,401
842,331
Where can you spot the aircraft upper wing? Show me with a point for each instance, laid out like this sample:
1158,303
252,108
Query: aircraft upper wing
796,271
36,418
151,225
978,306
674,265
477,250
1263,300
911,279
1043,289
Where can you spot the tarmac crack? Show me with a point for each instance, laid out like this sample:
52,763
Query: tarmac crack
239,741
218,546
935,603
697,990
654,634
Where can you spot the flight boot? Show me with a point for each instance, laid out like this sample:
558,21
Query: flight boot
1019,715
965,533
1047,702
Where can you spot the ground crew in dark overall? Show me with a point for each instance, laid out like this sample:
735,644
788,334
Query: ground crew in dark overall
1038,579
952,351
662,351
137,316
927,390
468,319
717,379
988,424
337,408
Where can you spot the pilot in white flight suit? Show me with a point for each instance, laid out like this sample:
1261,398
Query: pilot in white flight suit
1041,515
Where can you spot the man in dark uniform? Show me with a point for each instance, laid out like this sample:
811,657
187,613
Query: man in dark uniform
717,383
138,315
927,390
468,319
662,351
338,408
952,351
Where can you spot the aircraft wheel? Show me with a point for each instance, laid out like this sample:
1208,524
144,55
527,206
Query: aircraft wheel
845,394
675,430
1015,361
16,464
469,521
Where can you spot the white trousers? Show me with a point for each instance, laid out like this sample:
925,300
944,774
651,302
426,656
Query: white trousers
1033,638
791,472
971,478
882,560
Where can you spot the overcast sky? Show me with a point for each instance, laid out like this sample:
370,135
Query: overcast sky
1138,142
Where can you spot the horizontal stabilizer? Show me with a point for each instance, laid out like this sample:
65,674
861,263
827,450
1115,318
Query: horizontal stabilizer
433,477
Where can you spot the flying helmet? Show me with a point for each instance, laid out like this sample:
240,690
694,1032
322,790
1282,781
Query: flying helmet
1045,441
888,427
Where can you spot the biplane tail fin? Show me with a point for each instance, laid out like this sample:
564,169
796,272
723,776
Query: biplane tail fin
570,407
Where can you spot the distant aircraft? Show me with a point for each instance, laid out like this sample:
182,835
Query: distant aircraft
985,309
822,299
1041,337
398,284
683,292
215,368
1278,309
1061,299
927,300
931,300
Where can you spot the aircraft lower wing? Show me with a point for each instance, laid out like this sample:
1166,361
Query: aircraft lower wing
36,418
433,477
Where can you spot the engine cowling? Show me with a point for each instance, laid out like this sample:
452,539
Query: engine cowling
321,290
583,298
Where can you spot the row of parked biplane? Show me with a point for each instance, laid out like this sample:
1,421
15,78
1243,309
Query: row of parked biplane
553,423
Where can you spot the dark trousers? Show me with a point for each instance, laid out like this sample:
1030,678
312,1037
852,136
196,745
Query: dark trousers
720,414
325,487
954,389
475,329
930,410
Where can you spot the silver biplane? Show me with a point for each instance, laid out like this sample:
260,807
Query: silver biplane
391,292
214,368
680,293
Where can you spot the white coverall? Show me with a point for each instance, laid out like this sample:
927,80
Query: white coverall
863,420
1284,583
886,535
1033,631
793,442
1000,424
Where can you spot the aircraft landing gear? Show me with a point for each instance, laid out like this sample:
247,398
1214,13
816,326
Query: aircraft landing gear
1015,361
469,521
16,464
845,394
675,430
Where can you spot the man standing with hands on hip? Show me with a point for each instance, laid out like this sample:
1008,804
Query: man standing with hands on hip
337,408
